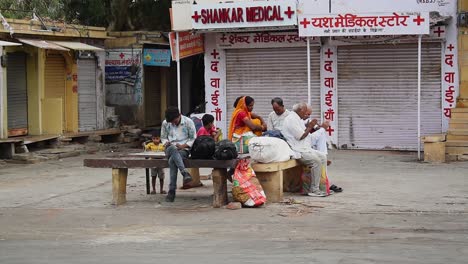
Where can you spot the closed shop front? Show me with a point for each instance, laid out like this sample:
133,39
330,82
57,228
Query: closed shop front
17,95
377,95
54,94
152,96
87,97
265,73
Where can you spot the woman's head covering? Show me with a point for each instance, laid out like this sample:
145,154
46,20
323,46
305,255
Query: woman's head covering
241,107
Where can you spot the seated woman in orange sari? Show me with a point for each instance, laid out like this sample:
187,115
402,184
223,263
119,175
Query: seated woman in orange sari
242,121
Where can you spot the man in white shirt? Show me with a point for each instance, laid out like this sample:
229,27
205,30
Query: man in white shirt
177,134
297,135
277,116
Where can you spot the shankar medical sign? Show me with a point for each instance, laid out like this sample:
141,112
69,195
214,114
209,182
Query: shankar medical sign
396,23
244,14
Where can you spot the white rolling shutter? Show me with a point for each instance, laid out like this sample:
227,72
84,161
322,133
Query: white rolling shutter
377,95
17,94
274,72
87,101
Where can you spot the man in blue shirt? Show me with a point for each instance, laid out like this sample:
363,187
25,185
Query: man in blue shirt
177,134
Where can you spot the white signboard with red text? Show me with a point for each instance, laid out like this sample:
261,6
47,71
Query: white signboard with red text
448,33
244,14
329,91
262,40
215,82
364,24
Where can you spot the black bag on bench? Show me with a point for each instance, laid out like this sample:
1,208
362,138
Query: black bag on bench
203,148
225,150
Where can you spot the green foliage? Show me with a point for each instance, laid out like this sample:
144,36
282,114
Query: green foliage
52,9
116,15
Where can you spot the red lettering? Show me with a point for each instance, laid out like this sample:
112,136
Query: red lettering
269,15
233,15
204,16
277,13
240,15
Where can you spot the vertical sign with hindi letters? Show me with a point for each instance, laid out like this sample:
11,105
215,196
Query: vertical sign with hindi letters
215,81
328,87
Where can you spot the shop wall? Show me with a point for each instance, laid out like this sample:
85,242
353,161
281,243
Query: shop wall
35,74
123,75
71,93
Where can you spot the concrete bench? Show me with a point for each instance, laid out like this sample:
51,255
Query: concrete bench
277,177
120,166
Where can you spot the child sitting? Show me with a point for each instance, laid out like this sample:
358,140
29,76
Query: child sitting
208,128
157,146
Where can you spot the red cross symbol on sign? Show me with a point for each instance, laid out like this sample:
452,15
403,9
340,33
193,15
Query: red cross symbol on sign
439,31
329,53
122,55
289,12
330,130
304,22
418,20
196,16
215,54
450,47
223,38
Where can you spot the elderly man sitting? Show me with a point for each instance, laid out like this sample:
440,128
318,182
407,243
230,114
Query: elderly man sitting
296,134
318,138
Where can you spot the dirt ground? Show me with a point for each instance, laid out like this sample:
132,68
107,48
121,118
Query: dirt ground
393,210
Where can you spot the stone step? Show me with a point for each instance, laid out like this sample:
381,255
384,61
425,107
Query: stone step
456,143
459,120
459,110
458,132
433,138
458,125
456,115
456,137
456,150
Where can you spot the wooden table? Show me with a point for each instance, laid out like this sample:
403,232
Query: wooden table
120,166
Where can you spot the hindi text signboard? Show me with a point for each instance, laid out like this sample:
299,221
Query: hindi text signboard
416,23
244,14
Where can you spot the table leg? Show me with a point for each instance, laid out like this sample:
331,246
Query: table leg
119,186
220,197
148,189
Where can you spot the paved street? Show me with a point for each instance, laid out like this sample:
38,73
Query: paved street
393,210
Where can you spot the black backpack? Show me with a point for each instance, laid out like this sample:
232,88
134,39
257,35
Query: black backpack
203,148
225,150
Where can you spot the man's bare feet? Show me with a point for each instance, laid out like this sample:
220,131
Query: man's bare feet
153,192
163,192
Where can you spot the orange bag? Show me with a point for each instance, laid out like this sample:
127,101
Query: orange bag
246,187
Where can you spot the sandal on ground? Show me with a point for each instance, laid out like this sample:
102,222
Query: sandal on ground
336,188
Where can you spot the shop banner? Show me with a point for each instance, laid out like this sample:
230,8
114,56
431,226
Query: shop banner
121,65
262,40
157,57
189,44
415,23
244,14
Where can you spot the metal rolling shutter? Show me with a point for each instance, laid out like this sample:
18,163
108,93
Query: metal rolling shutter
87,101
267,73
55,77
377,95
17,94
